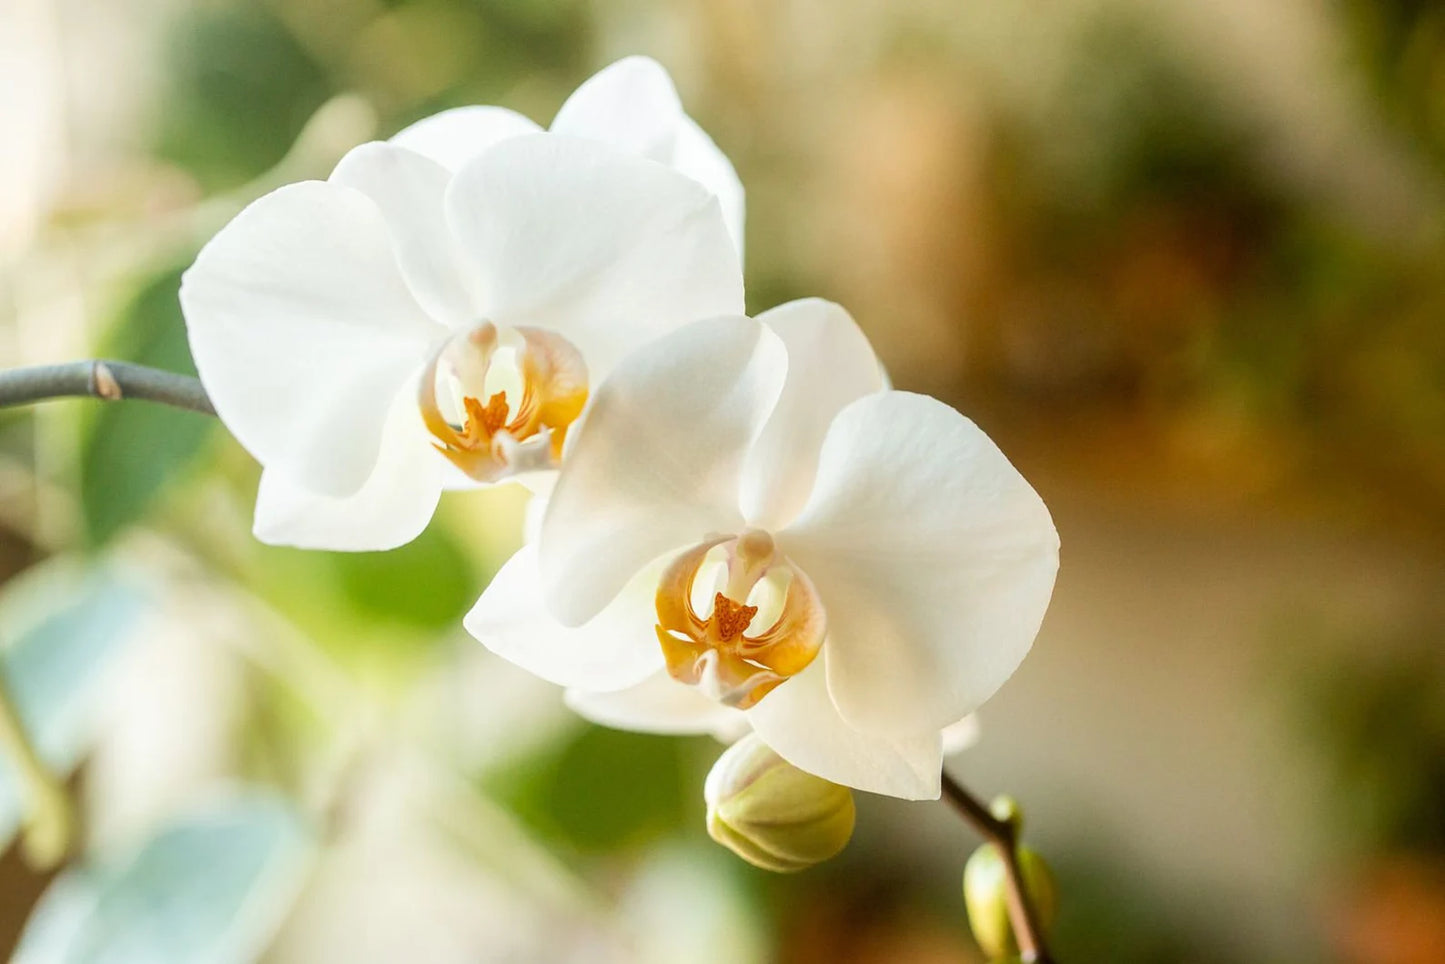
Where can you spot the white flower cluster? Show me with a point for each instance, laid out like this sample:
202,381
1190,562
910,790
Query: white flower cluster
744,528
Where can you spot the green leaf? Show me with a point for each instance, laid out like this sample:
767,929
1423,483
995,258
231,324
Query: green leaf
608,788
53,671
429,583
210,888
240,88
133,450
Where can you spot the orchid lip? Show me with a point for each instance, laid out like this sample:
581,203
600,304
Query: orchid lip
482,429
740,639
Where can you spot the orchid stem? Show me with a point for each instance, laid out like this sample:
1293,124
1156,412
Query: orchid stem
104,379
1003,834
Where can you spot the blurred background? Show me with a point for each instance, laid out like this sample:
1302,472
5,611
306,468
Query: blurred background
1184,261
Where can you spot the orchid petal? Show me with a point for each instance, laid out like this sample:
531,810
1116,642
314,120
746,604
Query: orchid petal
830,364
614,650
933,556
659,704
631,104
536,511
699,158
959,736
605,248
390,509
456,136
304,330
657,463
410,189
800,722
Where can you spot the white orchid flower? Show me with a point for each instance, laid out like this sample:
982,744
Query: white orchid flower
752,531
631,104
399,327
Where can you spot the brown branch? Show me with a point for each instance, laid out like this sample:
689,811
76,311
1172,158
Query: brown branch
1003,834
104,379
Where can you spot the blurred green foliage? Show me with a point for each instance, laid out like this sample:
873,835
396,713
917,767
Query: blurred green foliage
243,77
238,90
429,583
491,44
1106,914
1401,45
1141,129
1378,723
132,453
606,790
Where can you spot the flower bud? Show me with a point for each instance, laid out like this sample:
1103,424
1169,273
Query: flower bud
772,814
985,891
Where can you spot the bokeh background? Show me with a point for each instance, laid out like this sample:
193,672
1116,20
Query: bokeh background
1184,261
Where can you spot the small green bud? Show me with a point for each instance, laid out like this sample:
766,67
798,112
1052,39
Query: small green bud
772,814
985,894
1006,808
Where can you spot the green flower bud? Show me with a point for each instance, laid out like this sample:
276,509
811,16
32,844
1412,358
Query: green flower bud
772,814
985,893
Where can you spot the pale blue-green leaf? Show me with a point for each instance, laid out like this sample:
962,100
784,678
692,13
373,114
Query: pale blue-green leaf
210,888
54,670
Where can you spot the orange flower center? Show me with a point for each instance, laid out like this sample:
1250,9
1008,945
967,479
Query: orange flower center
731,618
719,651
491,441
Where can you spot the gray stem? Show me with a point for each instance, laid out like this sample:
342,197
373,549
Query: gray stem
1002,834
104,379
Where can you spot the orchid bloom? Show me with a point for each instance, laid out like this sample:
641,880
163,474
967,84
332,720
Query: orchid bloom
752,531
631,104
400,328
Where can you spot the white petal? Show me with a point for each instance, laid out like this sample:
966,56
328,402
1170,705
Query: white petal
656,465
659,704
799,721
614,650
455,480
607,248
391,508
830,364
454,137
536,511
633,104
410,190
698,157
630,104
304,330
959,736
934,558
